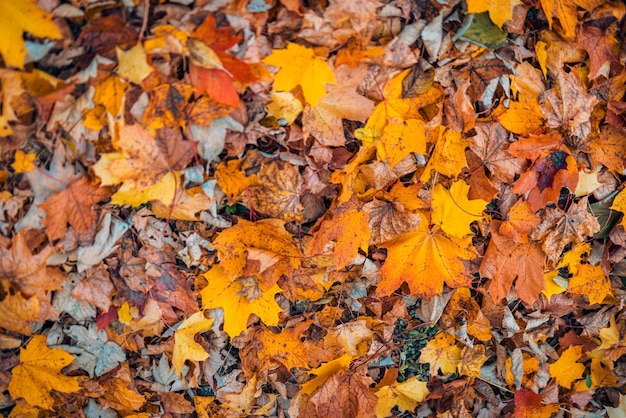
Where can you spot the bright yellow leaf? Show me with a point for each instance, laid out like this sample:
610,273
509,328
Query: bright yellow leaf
124,313
163,191
406,396
284,106
565,370
399,139
323,372
472,360
301,67
425,259
610,335
619,204
448,158
39,372
552,287
185,346
23,162
591,281
110,93
16,18
442,354
600,377
133,64
499,10
453,210
522,119
224,293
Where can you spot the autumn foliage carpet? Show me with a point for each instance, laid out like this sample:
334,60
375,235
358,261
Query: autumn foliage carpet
316,208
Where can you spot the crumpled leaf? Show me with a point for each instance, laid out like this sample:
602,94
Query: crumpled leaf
39,372
105,243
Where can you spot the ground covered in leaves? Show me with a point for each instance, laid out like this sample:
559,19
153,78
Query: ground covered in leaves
312,209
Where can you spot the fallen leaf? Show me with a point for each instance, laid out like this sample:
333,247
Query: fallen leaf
185,346
299,66
567,369
499,11
19,314
133,64
591,281
453,211
530,405
39,372
18,18
442,354
472,360
406,396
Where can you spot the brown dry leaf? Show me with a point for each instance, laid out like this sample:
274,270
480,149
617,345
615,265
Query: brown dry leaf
276,193
349,228
567,13
505,260
559,229
389,219
344,394
120,392
603,49
491,144
72,206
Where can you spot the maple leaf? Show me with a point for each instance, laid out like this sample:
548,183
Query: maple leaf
453,211
491,144
505,260
23,162
72,206
399,139
406,396
566,12
299,66
499,11
185,346
463,310
522,118
224,293
591,281
424,260
529,405
520,221
120,393
390,218
18,313
110,94
167,106
448,158
566,369
559,229
39,372
20,17
442,354
143,160
133,64
472,360
270,236
349,228
603,49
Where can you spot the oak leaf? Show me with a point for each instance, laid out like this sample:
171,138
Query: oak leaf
224,293
185,346
406,396
39,372
441,353
506,260
299,66
424,260
567,369
453,211
20,17
72,206
348,228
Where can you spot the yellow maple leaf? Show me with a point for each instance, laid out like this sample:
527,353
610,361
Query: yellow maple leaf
499,11
453,210
591,281
323,372
133,64
405,395
442,354
619,204
599,376
399,139
522,118
301,67
567,13
39,372
185,346
18,314
448,158
425,259
565,370
23,162
472,360
110,94
16,18
224,293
